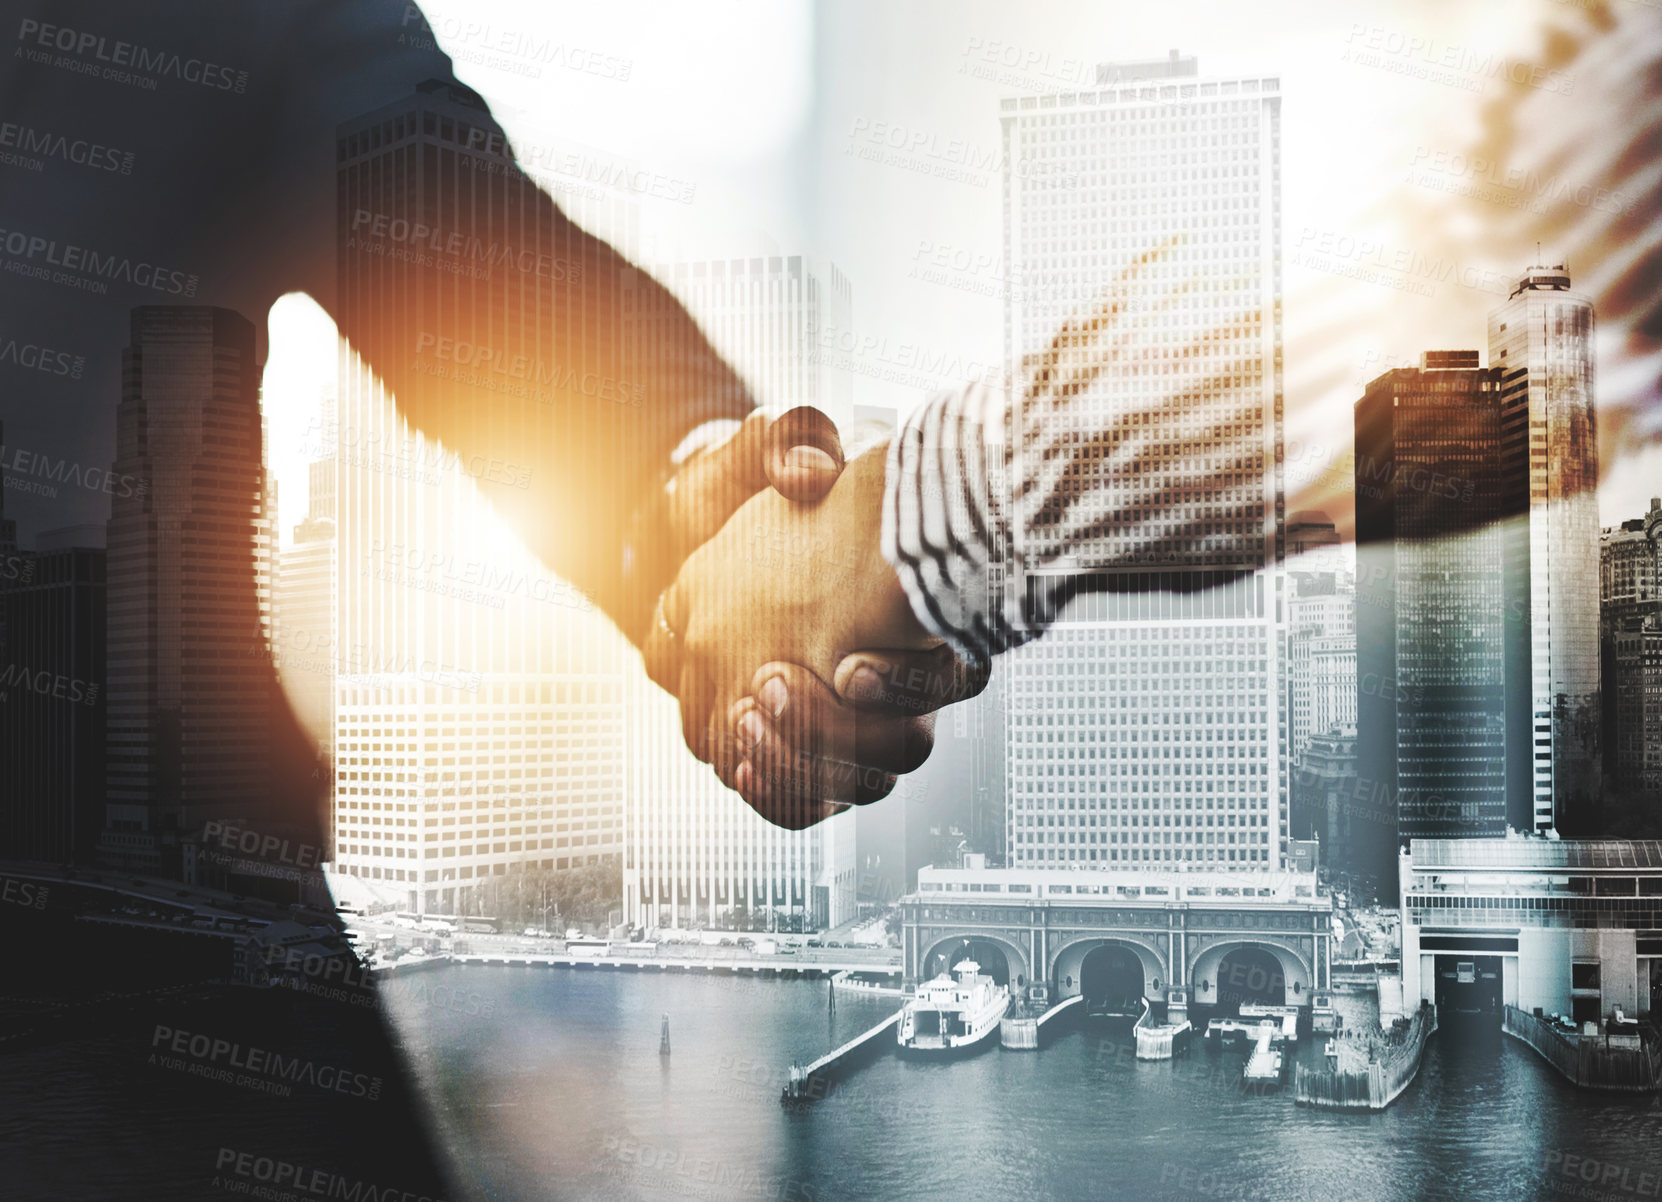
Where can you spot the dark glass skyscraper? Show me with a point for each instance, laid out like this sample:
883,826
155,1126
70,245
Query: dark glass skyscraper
189,723
1431,627
52,699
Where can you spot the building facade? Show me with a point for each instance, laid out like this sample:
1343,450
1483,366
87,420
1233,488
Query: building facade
479,724
1572,927
1431,623
52,700
1211,938
307,604
1630,639
189,587
1147,729
695,854
1541,341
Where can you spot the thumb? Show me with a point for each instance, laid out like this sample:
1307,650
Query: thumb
804,454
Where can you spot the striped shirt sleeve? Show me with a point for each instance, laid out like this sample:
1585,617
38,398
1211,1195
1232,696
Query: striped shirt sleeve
946,520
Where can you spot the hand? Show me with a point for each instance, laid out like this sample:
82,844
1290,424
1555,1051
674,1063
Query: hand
804,592
798,454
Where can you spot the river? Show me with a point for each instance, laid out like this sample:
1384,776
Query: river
549,1084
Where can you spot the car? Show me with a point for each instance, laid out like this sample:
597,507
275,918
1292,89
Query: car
726,943
814,943
834,943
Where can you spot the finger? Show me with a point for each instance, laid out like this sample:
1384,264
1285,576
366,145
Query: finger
697,697
661,651
804,454
792,782
907,682
793,711
714,483
792,812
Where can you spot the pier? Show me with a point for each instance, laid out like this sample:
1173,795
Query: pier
813,1080
1622,1061
1161,1041
1264,1065
1022,1034
1391,1068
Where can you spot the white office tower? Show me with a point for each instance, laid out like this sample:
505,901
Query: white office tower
695,854
1147,729
1321,632
1541,339
306,594
479,709
1321,658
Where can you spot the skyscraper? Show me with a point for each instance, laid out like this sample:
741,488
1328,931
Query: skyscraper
1630,569
1321,632
695,852
1430,612
1541,340
479,708
307,599
52,672
1147,729
189,586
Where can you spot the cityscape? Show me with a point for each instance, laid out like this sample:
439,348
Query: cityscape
1295,810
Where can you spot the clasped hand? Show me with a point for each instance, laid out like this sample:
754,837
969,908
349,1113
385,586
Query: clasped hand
802,675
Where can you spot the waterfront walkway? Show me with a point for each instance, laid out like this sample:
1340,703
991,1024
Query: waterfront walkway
1626,1062
813,1080
1391,1069
765,965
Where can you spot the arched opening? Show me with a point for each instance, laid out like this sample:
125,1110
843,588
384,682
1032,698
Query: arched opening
1250,975
992,959
1111,978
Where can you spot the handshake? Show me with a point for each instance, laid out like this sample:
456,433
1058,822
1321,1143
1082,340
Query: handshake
803,677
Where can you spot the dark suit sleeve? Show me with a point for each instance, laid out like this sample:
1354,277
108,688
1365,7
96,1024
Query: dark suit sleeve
260,164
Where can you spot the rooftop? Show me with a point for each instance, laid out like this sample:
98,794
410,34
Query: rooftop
1526,852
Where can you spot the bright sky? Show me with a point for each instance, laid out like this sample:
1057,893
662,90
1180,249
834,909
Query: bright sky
755,105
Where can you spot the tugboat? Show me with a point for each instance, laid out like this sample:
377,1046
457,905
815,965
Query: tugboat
950,1015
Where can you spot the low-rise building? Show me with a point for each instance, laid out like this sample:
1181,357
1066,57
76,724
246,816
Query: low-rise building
1567,927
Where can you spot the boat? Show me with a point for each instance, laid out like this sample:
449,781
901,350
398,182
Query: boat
949,1015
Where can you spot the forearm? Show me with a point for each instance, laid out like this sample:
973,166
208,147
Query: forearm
561,392
998,510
